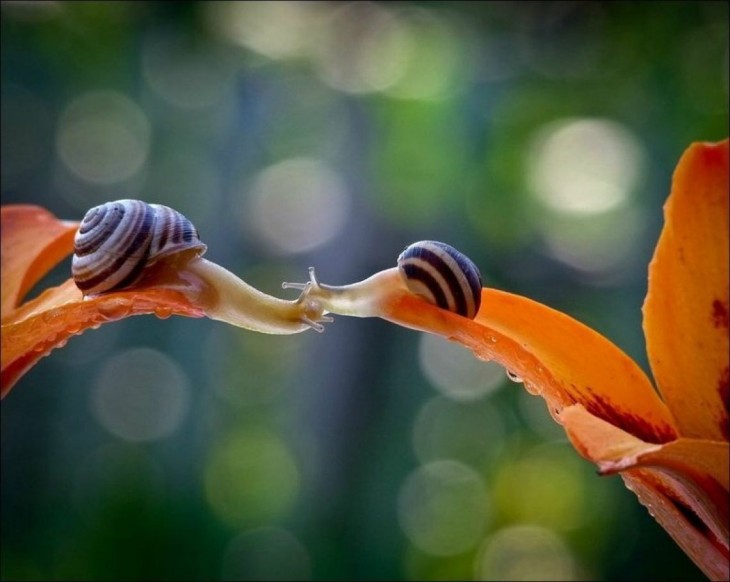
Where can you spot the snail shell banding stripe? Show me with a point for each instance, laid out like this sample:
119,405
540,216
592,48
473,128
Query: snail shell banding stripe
117,240
443,276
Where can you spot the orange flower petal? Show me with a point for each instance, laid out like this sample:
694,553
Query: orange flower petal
701,467
672,505
686,309
52,318
615,450
33,242
557,357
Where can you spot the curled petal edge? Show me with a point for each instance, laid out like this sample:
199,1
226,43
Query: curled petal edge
685,476
672,504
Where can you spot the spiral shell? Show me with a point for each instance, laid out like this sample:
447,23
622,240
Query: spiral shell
116,241
443,276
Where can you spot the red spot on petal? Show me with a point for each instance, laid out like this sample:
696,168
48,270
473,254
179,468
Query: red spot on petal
719,314
630,423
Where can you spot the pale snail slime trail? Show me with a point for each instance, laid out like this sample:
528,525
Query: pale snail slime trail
118,242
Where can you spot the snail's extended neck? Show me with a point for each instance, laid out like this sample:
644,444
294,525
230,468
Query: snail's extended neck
363,299
227,298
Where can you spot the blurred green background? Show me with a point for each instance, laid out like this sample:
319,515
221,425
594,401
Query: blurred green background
538,138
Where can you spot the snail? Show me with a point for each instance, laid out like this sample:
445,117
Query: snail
125,244
434,271
121,244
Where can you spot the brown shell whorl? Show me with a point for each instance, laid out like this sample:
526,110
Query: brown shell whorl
117,240
443,276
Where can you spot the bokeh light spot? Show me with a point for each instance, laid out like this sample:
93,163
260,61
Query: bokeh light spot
546,486
251,478
470,432
584,166
103,137
296,205
141,395
600,246
583,173
364,48
525,552
433,57
277,30
443,508
455,371
534,412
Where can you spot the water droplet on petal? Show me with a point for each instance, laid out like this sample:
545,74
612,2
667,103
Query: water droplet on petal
50,317
116,309
39,347
73,328
163,312
514,377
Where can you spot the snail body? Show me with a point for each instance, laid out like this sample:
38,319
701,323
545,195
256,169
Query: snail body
434,271
117,243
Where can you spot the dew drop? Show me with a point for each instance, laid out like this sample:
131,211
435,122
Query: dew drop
116,309
50,317
163,312
514,377
531,389
39,347
73,328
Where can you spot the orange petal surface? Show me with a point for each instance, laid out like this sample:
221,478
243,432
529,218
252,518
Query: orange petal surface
557,357
33,241
686,309
695,471
61,313
671,503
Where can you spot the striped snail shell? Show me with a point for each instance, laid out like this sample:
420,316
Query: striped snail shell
443,276
117,240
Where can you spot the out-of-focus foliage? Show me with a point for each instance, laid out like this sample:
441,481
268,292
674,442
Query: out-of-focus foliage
539,138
